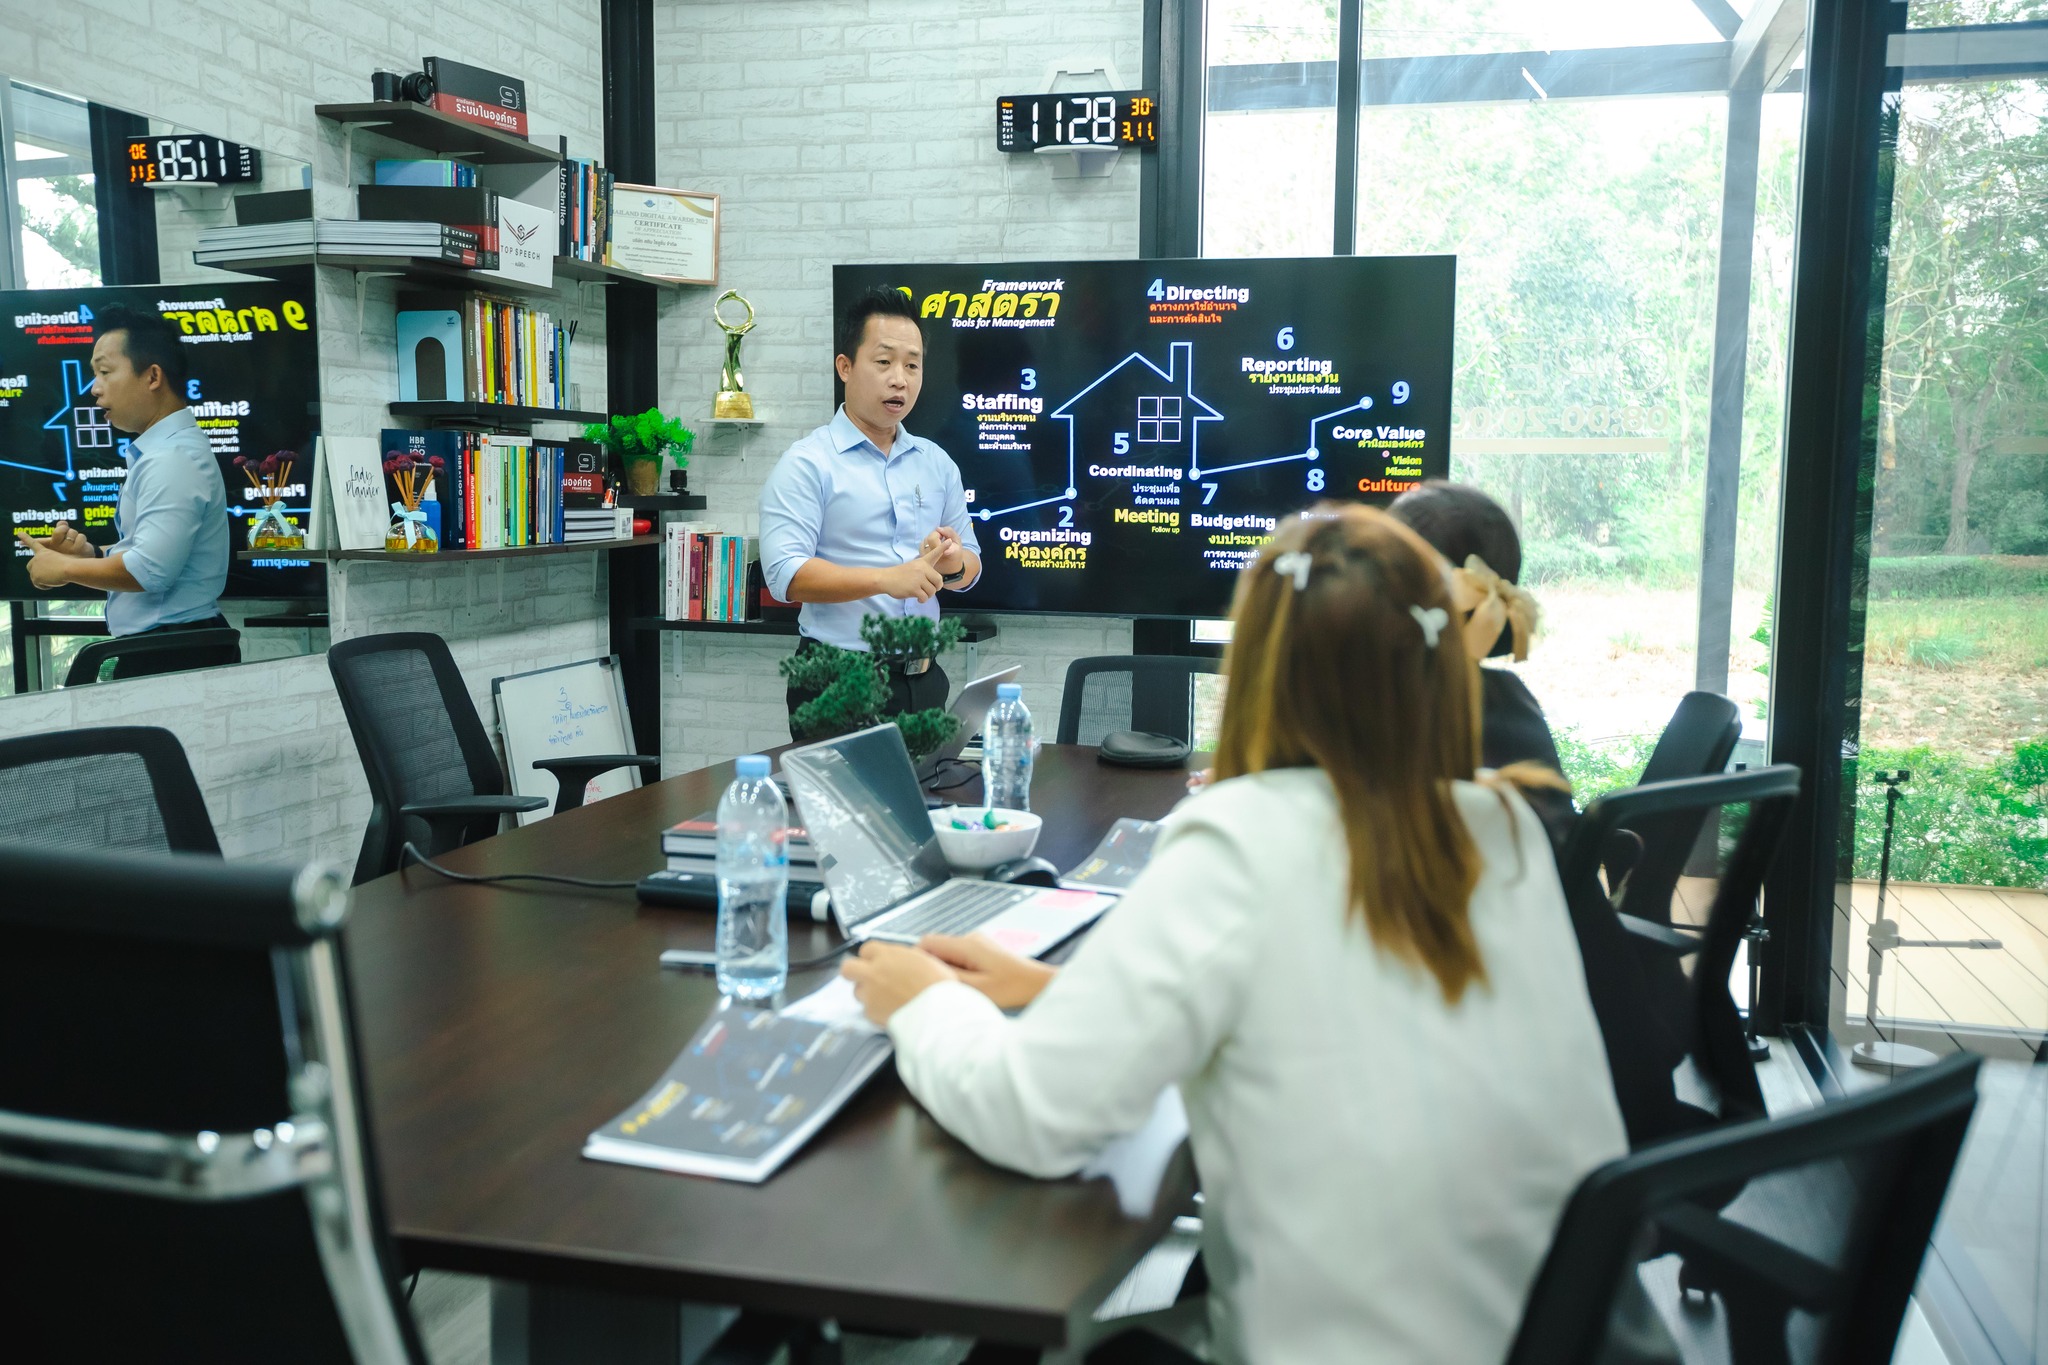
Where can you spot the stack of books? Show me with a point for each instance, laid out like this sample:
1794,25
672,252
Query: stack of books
468,208
283,241
692,846
489,491
488,350
706,574
437,171
583,209
590,505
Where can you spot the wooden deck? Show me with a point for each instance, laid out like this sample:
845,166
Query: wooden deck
2004,989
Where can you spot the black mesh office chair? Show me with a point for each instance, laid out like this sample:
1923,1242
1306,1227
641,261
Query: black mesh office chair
116,787
185,1166
434,778
1154,693
207,648
1651,1014
1811,1262
1652,855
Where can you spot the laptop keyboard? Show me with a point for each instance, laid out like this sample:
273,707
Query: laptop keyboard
957,908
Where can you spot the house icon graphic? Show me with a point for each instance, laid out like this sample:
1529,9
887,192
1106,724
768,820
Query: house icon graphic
81,426
1137,413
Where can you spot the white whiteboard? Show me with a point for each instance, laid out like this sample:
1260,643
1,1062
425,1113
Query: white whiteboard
560,712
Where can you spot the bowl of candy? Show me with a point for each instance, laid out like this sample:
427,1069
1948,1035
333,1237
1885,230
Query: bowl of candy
974,839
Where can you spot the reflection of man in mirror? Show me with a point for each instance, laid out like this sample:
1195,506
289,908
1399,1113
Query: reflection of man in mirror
165,573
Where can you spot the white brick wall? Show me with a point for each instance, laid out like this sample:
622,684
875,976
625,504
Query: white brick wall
273,755
842,132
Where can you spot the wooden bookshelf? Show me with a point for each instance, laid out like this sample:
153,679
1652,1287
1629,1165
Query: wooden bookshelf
664,502
459,412
446,556
434,131
590,272
412,270
717,627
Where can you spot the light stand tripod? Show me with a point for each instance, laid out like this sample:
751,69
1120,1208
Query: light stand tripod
1878,1053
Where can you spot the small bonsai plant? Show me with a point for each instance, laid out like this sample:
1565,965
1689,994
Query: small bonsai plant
853,687
639,441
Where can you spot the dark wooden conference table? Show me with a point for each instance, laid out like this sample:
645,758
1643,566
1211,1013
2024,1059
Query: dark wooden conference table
500,1025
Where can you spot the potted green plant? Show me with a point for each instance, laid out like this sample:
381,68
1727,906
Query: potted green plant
639,441
853,687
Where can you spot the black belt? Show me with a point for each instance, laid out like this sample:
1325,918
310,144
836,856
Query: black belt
215,622
909,668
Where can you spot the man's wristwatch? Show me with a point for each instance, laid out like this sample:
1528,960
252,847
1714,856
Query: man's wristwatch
953,577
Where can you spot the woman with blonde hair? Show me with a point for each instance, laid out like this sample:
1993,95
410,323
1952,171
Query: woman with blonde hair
1352,958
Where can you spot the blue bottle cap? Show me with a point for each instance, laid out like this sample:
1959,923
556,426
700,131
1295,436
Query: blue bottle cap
752,765
1009,691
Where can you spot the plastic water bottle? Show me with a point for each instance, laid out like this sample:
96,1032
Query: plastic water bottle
1006,751
753,884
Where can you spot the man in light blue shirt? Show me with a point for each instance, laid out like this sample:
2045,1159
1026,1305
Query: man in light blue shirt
166,572
860,517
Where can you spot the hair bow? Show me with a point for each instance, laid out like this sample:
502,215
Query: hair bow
1431,619
1490,605
1295,564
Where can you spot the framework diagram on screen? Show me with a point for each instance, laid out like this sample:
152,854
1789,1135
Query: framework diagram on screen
1148,424
81,425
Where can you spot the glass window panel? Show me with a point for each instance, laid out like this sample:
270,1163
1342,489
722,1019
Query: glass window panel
1948,674
1956,13
1587,235
1268,174
1269,182
1415,28
52,164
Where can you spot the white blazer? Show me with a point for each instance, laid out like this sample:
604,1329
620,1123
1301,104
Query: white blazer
1382,1172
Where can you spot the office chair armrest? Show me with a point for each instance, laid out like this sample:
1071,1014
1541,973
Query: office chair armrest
573,773
469,807
598,763
1658,936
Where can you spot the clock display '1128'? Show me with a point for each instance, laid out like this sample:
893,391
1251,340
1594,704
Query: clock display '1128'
1099,118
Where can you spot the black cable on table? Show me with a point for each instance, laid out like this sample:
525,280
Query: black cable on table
412,852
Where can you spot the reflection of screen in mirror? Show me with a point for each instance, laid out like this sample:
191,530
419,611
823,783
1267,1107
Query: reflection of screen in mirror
254,379
859,798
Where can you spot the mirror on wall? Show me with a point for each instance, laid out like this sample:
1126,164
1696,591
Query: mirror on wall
104,206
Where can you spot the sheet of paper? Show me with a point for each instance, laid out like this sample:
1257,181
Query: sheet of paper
1136,1163
831,1003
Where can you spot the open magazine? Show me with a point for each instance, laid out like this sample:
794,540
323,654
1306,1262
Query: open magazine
749,1090
1118,859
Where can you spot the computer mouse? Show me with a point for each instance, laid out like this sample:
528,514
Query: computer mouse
1025,872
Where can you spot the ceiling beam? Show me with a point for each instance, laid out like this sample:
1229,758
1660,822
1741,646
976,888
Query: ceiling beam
1769,41
1721,15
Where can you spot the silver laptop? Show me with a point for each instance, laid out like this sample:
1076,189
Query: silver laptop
972,706
859,798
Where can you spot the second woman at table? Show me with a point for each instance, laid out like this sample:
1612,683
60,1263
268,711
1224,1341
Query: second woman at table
1353,959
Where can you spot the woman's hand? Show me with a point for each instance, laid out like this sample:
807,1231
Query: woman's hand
1011,981
888,976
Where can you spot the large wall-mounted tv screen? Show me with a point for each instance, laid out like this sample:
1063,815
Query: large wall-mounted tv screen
1131,431
254,388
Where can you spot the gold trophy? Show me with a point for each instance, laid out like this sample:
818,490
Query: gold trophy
733,400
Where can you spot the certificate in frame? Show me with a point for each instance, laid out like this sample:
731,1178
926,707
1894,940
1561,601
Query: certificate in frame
669,233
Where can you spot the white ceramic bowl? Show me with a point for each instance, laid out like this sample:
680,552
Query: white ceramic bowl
979,848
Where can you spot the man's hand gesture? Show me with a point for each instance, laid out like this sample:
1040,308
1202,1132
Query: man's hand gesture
47,567
917,578
952,556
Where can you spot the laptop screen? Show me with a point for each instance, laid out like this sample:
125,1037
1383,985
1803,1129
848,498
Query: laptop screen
860,801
